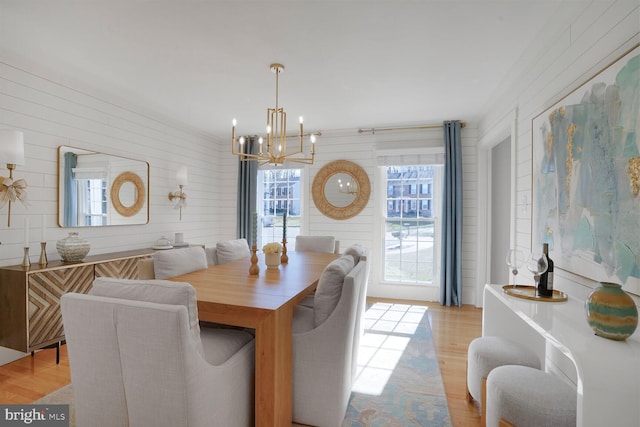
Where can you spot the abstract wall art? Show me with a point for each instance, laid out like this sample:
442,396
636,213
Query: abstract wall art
586,176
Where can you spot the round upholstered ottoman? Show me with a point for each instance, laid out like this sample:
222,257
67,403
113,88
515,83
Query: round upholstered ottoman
527,397
487,353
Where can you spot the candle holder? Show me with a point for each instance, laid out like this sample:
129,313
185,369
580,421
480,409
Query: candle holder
254,270
43,254
25,260
284,259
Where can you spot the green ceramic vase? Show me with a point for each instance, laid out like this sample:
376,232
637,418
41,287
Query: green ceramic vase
611,313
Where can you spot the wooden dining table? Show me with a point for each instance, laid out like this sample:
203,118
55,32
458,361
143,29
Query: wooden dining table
228,294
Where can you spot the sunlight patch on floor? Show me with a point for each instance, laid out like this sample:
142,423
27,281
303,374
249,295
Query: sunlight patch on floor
388,330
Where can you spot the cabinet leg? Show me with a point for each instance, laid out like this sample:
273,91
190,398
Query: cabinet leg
56,346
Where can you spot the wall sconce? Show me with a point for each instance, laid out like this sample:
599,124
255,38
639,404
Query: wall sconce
180,197
12,153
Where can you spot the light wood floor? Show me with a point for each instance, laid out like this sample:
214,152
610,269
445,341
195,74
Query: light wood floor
28,379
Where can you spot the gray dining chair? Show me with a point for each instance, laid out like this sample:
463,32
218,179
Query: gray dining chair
323,344
325,244
137,357
173,262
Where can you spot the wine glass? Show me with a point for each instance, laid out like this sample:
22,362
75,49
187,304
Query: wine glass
515,260
537,264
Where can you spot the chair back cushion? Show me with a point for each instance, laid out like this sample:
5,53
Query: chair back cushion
324,244
157,291
232,250
175,262
330,287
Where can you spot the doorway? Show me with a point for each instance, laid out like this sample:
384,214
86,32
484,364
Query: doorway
500,210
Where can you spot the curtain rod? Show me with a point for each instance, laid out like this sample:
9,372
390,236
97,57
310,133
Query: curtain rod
374,130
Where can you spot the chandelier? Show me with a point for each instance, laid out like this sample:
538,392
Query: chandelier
275,152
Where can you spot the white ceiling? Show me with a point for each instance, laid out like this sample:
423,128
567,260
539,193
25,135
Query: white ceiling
349,64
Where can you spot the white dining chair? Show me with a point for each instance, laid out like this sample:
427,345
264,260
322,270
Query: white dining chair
171,263
323,345
325,244
138,357
232,250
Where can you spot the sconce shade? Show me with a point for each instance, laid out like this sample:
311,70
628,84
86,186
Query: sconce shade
182,176
11,147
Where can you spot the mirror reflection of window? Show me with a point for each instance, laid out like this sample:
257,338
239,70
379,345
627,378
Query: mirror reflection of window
91,176
93,206
85,183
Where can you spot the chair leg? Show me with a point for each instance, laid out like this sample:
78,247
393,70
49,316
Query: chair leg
504,423
483,402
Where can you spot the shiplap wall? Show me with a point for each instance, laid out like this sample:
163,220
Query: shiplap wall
51,114
559,63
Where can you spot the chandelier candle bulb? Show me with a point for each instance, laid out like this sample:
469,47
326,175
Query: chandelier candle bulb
233,132
301,132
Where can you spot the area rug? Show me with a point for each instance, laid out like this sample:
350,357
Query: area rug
63,395
398,382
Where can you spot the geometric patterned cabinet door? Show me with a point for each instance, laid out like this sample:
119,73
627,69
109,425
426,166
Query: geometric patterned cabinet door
45,290
121,268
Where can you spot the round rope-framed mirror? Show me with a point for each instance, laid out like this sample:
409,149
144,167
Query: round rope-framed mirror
341,189
127,194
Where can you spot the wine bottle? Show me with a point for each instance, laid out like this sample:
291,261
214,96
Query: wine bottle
545,286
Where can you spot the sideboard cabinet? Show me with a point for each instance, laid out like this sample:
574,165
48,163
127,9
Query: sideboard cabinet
30,316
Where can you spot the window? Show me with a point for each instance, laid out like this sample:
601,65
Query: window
278,191
409,223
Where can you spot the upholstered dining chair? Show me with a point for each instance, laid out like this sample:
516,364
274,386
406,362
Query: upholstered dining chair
171,263
232,250
324,244
138,358
323,345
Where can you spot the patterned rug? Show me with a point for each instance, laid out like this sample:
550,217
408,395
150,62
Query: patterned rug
61,396
398,382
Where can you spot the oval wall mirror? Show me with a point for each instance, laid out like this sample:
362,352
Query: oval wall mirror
341,189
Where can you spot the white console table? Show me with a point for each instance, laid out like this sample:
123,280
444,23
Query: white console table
605,373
